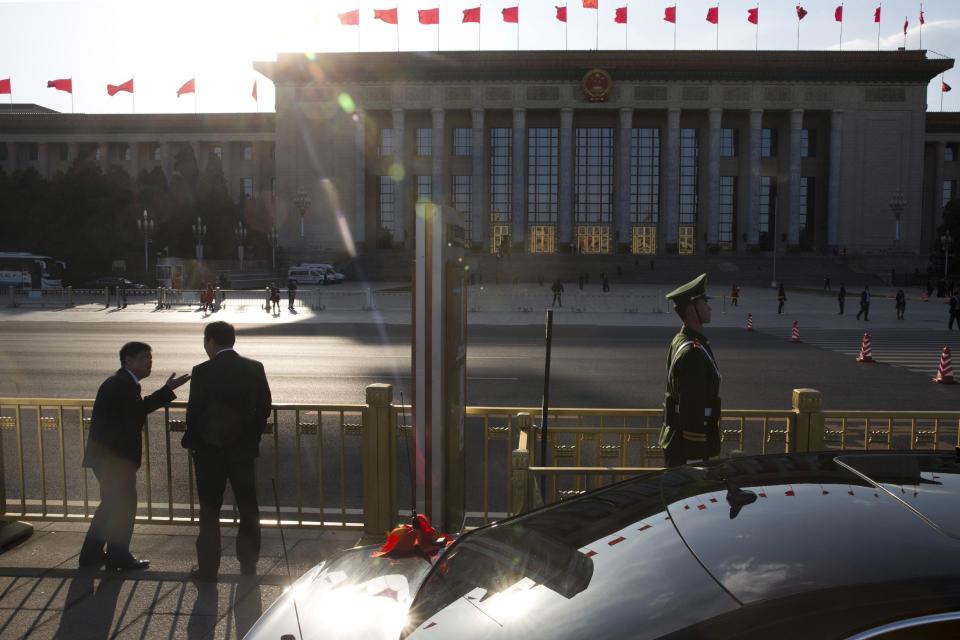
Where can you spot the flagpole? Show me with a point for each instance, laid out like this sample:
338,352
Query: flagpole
674,26
438,35
941,92
841,26
626,28
879,22
799,20
596,46
358,34
133,99
757,30
71,95
906,21
566,35
518,25
718,26
921,25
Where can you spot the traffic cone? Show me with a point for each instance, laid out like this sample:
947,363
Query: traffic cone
866,353
795,332
749,322
945,374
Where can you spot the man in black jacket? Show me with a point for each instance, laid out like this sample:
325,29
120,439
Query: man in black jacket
114,451
226,415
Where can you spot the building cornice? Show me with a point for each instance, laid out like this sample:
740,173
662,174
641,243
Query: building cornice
138,124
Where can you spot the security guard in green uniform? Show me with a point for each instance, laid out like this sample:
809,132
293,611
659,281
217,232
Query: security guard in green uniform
691,429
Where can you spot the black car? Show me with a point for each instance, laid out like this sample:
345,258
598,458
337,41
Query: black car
817,545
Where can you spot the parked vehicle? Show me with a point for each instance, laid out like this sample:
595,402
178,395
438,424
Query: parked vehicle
22,270
112,281
814,545
315,274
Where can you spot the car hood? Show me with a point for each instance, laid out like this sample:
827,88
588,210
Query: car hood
353,596
774,526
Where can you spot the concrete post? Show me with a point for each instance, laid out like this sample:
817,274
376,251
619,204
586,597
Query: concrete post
807,434
673,178
565,206
519,195
833,183
478,192
793,205
713,177
379,457
753,180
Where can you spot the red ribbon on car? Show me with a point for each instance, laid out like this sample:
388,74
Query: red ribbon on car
419,538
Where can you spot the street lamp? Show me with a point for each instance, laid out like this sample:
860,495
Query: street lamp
946,240
274,239
897,204
301,200
241,232
199,231
145,225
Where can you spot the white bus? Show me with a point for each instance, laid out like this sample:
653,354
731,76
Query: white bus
21,270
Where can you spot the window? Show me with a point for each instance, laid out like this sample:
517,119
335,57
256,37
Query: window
594,175
28,152
542,175
120,151
63,152
386,143
246,187
951,152
807,200
768,195
728,143
385,204
462,141
218,151
248,152
689,154
156,153
424,188
501,174
728,212
949,191
463,201
768,143
644,176
808,143
96,154
424,141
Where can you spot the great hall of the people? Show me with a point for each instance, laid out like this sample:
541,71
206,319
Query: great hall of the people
649,152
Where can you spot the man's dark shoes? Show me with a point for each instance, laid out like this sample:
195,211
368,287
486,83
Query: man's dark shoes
128,565
248,569
201,577
91,561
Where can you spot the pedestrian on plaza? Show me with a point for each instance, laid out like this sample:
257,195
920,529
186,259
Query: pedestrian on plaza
557,289
292,292
901,303
226,416
605,284
114,452
275,299
826,283
781,298
841,297
121,294
734,295
691,428
580,281
269,304
954,310
864,304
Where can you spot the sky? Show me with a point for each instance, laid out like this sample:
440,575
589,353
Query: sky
163,44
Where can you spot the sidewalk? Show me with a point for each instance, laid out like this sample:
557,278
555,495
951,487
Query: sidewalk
44,595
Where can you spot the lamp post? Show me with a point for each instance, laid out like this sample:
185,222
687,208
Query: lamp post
897,204
274,239
145,225
301,200
946,240
241,232
199,231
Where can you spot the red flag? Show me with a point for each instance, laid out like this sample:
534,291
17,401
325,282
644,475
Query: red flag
620,17
944,87
471,15
801,13
876,14
511,14
254,94
113,89
562,13
65,84
670,14
350,17
922,19
713,15
838,14
190,86
590,4
906,24
753,15
429,16
5,86
387,15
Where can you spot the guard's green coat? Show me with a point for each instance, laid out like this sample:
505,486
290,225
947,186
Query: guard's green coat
695,386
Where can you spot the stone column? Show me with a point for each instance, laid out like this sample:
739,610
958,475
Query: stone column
359,225
621,213
73,151
753,180
793,204
104,150
713,178
519,191
43,159
935,211
833,192
479,182
11,156
565,208
201,164
134,158
166,161
672,195
439,181
227,169
401,207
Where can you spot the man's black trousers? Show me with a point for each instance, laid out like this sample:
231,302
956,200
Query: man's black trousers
213,469
112,523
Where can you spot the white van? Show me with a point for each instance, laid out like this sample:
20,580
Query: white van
315,274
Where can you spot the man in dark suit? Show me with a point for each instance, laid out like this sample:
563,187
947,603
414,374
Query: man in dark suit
114,451
226,415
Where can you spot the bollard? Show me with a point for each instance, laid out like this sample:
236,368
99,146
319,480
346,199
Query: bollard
106,296
69,296
807,434
379,455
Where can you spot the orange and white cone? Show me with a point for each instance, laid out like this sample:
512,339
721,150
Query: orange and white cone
866,352
795,332
945,373
749,322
